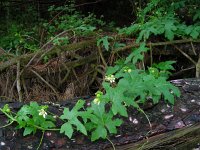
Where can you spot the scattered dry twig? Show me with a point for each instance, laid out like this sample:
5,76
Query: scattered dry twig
101,56
19,82
186,55
45,82
193,49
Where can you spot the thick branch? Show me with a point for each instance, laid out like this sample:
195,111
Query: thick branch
157,44
42,69
24,59
178,138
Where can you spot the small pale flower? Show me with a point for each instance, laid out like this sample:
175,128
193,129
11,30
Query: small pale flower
97,101
129,70
110,78
42,112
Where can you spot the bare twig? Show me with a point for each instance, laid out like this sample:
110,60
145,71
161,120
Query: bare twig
156,44
101,56
24,87
198,68
66,76
186,55
19,82
182,71
193,49
89,3
45,82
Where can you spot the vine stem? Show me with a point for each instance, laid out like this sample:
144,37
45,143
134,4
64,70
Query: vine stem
6,125
146,117
111,143
43,129
9,116
41,139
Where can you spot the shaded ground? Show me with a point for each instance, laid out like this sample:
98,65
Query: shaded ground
163,117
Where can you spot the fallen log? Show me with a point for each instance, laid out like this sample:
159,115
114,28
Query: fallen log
173,127
24,59
58,66
184,138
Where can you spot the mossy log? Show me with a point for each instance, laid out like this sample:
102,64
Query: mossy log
59,66
24,59
181,139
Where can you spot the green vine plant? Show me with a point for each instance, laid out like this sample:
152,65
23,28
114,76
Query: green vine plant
125,86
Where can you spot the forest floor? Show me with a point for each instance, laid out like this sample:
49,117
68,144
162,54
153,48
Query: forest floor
163,117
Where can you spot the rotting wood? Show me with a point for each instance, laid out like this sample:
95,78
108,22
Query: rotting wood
24,59
157,44
180,139
18,78
59,66
198,68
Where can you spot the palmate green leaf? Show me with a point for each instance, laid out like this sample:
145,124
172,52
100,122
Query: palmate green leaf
170,28
67,129
47,124
90,126
112,70
34,105
104,41
99,132
67,114
72,118
129,58
80,127
153,26
195,32
136,54
112,125
22,116
130,30
104,122
167,65
188,29
115,96
79,105
25,110
98,109
197,15
86,115
28,130
118,107
167,89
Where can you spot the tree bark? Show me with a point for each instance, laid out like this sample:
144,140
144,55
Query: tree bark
180,139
